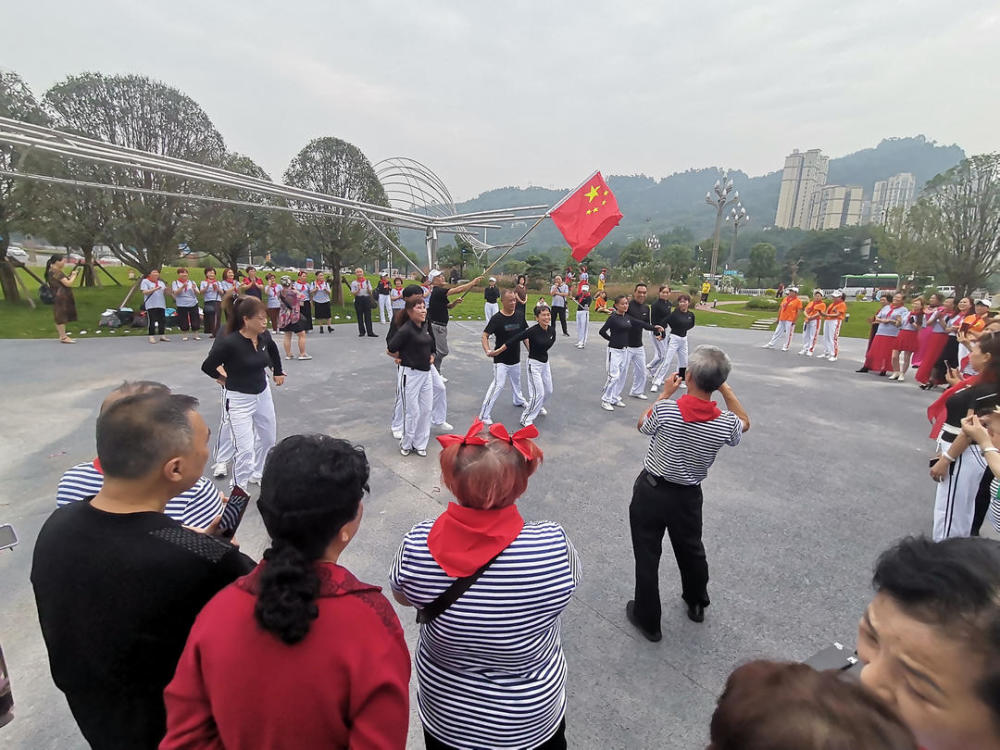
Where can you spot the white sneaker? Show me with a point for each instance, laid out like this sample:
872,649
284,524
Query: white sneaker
801,351
606,406
304,356
809,354
901,378
784,348
767,346
398,434
579,346
422,454
219,470
444,379
487,422
619,402
655,387
641,396
543,412
404,451
833,359
446,426
255,479
684,385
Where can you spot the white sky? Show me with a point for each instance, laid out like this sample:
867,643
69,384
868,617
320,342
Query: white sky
541,93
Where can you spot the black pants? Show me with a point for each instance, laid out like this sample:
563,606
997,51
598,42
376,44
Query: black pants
305,315
983,498
187,318
555,742
660,506
212,316
559,313
157,320
363,310
948,358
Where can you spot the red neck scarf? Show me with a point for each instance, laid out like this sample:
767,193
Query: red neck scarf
463,539
694,409
97,466
937,412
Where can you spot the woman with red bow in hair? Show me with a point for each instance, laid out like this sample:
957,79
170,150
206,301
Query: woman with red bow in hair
489,589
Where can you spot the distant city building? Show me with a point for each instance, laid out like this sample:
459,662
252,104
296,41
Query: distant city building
804,175
896,192
835,206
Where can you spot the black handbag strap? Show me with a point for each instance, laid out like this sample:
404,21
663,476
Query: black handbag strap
452,594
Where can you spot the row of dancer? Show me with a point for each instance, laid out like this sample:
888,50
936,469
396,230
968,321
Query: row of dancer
824,316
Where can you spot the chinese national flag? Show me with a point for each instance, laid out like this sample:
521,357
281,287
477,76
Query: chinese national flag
586,216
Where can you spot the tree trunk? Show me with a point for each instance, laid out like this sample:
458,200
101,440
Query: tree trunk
7,281
89,276
336,287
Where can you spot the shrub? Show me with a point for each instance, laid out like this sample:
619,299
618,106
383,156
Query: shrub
762,303
770,292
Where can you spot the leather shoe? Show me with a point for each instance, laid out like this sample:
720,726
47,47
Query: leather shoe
696,613
862,369
655,636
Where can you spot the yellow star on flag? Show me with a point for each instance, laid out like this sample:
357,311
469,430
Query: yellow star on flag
596,209
603,203
592,193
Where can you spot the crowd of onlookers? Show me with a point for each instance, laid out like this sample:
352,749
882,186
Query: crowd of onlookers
162,634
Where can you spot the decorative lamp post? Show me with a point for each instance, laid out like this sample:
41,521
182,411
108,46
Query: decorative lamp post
738,217
719,201
653,243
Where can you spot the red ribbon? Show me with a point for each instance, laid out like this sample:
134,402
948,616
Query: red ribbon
470,438
521,439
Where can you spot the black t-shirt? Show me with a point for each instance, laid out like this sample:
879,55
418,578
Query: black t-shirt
503,328
393,328
244,365
640,312
117,594
382,288
491,294
659,312
617,329
413,345
437,305
680,322
583,302
539,341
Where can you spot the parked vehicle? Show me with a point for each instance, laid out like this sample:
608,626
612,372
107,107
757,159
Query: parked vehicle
18,254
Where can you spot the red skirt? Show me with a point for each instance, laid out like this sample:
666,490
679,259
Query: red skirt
929,356
880,353
906,341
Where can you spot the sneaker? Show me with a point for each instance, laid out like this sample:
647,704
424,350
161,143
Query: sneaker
801,351
655,387
197,338
684,385
152,339
641,396
398,434
901,378
579,346
543,412
833,359
304,356
606,406
809,354
404,451
444,379
487,422
289,356
894,376
255,479
422,454
767,346
164,338
619,402
446,426
219,469
784,348
184,338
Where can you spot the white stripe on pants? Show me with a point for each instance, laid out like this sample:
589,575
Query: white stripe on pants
615,384
539,389
637,364
384,308
955,500
491,309
831,337
660,351
783,334
254,430
501,374
676,346
810,334
582,326
439,410
225,448
418,400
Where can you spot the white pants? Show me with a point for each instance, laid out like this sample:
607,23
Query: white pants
637,364
439,409
418,399
783,334
384,308
491,309
660,352
225,448
617,369
677,346
539,389
582,326
501,374
810,335
254,431
955,500
831,338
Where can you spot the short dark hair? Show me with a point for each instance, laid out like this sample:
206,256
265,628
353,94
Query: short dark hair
640,284
312,486
137,433
411,290
953,585
683,297
208,271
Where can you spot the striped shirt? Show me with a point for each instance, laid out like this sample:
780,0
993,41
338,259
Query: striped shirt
196,507
490,669
682,452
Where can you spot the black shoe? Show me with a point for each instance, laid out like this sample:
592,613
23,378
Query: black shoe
361,335
862,369
655,636
329,329
696,613
882,374
321,329
373,335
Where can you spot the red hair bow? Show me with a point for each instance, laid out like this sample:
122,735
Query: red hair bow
470,438
519,439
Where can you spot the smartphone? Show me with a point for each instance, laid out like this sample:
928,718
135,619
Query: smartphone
8,537
233,512
832,657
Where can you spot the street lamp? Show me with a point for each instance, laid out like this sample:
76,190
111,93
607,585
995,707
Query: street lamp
722,189
738,217
653,243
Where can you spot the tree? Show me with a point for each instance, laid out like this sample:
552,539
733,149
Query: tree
959,213
635,253
16,102
337,168
139,113
678,260
762,261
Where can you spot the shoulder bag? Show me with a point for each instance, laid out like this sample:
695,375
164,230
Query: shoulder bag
451,594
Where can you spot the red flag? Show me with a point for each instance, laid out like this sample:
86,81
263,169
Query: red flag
586,216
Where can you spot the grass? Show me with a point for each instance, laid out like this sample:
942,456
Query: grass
20,321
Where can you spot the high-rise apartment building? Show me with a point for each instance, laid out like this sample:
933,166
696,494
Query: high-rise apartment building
835,206
898,191
804,174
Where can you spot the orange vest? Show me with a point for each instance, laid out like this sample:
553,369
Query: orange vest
814,310
973,323
789,308
837,310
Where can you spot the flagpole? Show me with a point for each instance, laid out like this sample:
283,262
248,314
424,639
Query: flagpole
514,244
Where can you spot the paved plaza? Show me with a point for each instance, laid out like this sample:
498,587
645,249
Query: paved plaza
833,470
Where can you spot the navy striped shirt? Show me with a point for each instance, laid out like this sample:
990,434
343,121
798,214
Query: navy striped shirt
682,452
196,507
491,669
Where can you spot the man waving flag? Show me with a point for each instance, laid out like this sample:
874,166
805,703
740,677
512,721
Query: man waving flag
587,215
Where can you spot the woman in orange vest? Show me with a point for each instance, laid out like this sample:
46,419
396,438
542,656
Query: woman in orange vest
810,329
788,312
833,316
972,326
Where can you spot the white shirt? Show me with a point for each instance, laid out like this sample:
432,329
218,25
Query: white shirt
273,301
157,298
320,292
212,290
361,289
559,293
185,293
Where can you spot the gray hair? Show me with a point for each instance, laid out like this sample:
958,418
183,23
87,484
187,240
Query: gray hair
709,367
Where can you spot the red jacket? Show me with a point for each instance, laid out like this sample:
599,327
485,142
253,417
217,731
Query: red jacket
345,685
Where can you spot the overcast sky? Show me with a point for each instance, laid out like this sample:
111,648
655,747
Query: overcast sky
541,93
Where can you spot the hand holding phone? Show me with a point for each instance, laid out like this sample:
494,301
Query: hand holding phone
233,512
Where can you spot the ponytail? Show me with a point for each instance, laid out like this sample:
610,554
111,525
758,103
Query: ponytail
286,602
244,306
